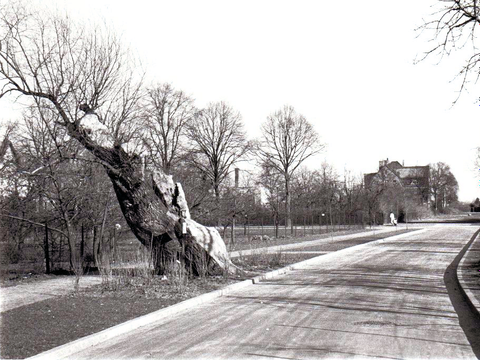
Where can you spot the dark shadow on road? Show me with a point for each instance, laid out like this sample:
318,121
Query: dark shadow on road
468,315
310,349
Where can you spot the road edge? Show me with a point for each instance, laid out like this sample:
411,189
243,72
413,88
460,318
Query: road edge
467,313
461,279
68,349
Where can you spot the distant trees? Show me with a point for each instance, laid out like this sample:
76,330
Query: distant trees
443,186
57,183
288,139
218,141
167,115
273,184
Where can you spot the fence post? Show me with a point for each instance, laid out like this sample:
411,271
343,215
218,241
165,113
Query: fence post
245,226
313,233
96,260
82,244
114,243
275,219
46,250
232,240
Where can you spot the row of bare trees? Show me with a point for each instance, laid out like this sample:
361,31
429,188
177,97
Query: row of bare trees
88,106
88,109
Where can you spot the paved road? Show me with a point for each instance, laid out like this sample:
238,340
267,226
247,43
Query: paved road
381,300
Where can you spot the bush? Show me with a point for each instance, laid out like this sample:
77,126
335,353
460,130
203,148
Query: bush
12,254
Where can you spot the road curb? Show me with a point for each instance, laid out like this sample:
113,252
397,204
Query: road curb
89,341
462,280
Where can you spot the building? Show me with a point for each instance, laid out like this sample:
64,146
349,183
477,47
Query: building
395,185
475,205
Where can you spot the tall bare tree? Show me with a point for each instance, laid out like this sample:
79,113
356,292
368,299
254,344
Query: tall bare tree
219,141
168,112
288,139
89,81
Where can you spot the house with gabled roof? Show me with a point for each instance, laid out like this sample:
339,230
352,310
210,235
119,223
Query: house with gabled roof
414,179
412,182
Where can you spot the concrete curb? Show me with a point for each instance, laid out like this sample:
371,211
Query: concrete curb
88,341
462,281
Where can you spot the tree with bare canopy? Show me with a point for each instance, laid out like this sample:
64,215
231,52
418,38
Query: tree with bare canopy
168,112
288,139
91,86
219,141
452,26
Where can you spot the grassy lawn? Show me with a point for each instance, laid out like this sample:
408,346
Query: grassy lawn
259,241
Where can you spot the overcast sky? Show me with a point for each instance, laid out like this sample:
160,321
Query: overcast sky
347,66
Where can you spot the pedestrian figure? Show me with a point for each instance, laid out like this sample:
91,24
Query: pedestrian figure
392,219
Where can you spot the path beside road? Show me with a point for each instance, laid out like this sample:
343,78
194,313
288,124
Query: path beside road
386,230
24,294
384,299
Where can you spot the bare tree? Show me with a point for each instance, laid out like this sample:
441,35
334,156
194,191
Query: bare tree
288,139
88,81
272,182
168,112
443,186
219,142
454,26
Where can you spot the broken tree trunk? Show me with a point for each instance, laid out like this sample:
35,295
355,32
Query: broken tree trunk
153,206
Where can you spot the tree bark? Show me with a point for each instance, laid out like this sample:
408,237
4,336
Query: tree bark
153,206
288,223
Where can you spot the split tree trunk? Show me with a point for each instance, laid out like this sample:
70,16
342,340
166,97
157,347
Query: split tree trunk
152,206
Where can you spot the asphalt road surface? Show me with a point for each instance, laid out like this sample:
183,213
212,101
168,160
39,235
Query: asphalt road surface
382,300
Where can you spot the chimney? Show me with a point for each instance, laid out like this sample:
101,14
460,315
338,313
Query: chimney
237,176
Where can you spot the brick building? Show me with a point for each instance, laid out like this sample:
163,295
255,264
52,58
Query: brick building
398,188
414,179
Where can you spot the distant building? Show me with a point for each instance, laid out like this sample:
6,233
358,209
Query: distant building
413,179
475,206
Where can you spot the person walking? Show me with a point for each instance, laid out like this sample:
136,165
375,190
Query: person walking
392,219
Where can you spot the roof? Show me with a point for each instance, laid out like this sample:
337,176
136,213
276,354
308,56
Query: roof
396,170
413,172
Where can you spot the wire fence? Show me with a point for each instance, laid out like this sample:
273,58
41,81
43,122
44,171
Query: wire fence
301,225
53,252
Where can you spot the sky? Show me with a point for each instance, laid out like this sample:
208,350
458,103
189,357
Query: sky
348,67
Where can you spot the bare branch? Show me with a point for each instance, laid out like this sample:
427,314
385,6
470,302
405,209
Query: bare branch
453,26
